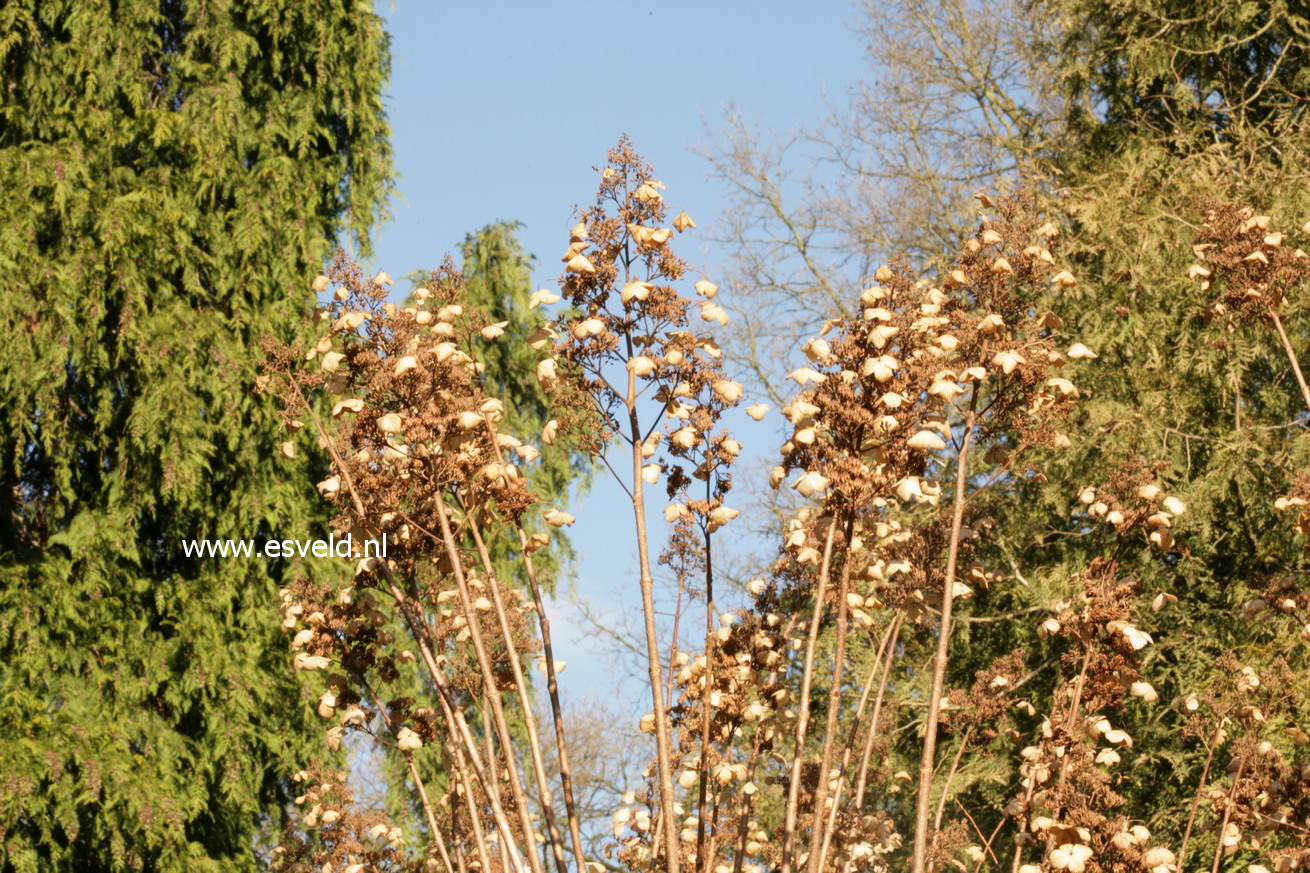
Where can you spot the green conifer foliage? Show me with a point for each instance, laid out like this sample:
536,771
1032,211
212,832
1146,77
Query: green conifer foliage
173,171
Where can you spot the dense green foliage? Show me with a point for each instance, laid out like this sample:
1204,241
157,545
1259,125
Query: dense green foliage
173,173
1171,105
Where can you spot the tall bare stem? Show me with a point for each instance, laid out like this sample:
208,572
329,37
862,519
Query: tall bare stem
803,707
817,833
1291,357
662,743
926,763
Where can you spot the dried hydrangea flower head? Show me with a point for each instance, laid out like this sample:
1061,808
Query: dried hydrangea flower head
783,742
1297,501
1253,268
968,370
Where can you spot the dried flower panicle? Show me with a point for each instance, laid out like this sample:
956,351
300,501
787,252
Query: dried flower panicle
883,393
1251,715
635,345
1065,809
334,836
630,340
962,364
1133,501
1246,261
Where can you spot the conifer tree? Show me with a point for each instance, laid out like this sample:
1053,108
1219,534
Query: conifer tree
172,172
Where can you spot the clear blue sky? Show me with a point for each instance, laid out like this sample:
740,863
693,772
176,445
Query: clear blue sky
499,110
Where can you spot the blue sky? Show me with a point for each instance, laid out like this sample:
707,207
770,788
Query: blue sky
500,110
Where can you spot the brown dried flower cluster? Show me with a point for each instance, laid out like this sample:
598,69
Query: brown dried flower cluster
1245,260
394,396
352,842
1253,269
1298,502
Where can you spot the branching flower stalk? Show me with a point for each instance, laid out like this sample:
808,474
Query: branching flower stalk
803,707
861,782
927,765
896,372
880,668
1212,746
527,545
619,270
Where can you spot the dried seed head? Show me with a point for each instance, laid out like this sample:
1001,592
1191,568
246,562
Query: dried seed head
674,511
407,740
728,391
1078,351
542,296
1145,691
580,265
635,290
1008,360
557,518
926,441
810,484
706,288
